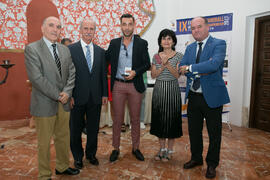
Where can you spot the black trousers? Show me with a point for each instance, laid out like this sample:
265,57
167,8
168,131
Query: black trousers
198,110
77,118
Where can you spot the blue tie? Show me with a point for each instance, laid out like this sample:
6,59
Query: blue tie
196,82
88,57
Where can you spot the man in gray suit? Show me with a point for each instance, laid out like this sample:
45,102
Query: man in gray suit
52,74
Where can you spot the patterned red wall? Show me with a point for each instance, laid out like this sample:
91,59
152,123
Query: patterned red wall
20,23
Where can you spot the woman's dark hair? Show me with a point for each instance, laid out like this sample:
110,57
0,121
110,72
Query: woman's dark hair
165,33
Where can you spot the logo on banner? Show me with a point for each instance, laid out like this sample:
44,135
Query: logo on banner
216,23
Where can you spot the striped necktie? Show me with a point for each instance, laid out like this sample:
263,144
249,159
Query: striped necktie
88,57
56,58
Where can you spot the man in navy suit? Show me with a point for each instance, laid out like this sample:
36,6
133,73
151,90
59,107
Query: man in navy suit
89,93
129,59
206,92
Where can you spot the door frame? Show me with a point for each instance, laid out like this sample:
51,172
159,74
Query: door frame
256,55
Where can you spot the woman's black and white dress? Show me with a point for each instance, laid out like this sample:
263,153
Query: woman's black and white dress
166,120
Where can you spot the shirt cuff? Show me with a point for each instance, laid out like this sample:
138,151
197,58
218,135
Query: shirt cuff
190,68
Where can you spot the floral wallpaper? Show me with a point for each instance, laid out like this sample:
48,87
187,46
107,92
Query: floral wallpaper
106,13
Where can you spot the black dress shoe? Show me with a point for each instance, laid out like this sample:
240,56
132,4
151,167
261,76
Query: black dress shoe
191,164
93,160
137,153
68,171
211,172
114,155
78,164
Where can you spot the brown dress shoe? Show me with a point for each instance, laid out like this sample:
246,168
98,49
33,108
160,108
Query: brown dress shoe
191,164
211,172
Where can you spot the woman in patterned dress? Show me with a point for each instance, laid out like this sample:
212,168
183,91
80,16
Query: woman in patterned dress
166,121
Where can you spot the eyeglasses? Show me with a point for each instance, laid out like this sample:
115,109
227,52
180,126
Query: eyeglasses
125,50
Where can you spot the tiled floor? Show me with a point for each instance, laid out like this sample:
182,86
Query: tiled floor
245,154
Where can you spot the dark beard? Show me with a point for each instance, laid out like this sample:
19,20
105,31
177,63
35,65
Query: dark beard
128,35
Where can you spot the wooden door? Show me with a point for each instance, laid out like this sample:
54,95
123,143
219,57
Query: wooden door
260,92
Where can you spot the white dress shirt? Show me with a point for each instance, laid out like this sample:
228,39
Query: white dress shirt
190,67
83,44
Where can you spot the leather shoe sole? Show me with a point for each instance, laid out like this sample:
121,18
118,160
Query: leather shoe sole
68,171
191,164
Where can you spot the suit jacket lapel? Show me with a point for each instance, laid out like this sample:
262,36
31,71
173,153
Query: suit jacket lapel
48,56
95,59
193,53
81,56
81,53
117,50
206,49
61,58
134,50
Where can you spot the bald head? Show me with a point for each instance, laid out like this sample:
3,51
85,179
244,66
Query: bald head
51,28
87,30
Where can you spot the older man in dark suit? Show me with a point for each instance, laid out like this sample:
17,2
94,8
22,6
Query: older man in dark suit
52,74
90,92
129,59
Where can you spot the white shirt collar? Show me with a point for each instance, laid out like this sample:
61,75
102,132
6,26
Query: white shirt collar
84,44
204,41
91,46
48,42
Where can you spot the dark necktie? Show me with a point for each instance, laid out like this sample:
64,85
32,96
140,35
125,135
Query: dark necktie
196,82
56,58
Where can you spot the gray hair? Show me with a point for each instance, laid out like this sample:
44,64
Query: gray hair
87,19
49,17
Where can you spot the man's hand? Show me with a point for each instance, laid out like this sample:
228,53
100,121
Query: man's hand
131,75
104,100
71,104
183,70
63,97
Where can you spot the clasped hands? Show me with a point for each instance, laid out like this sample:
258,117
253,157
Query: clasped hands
131,75
63,97
164,59
183,70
